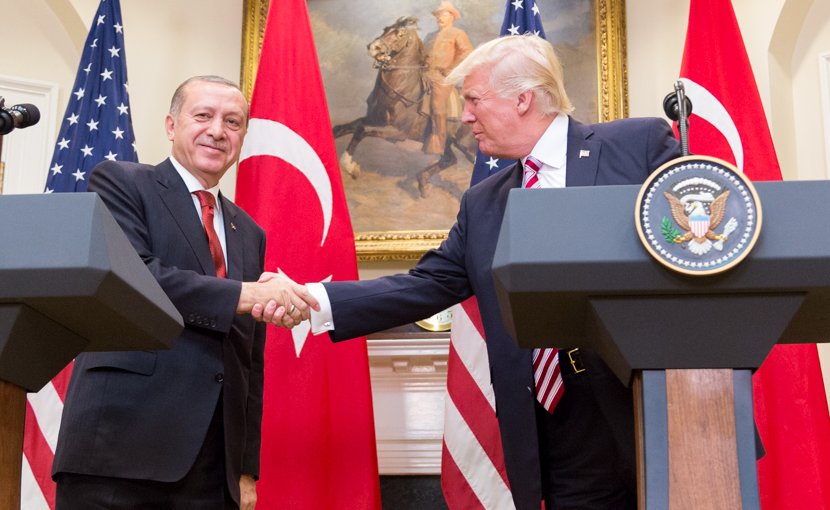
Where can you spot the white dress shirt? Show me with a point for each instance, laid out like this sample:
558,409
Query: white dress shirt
193,184
552,150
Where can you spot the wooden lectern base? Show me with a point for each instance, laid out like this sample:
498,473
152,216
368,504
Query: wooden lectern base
692,445
13,406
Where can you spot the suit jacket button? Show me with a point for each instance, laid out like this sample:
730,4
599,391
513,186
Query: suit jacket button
219,377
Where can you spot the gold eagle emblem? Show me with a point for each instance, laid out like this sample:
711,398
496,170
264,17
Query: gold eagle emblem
699,224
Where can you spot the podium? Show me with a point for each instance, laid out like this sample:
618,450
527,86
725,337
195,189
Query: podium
570,271
70,281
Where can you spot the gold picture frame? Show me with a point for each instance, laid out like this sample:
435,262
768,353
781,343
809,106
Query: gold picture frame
611,103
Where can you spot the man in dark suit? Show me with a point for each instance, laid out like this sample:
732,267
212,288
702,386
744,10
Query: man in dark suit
179,428
580,455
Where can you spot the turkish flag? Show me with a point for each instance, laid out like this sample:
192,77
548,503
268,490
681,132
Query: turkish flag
318,439
728,122
727,118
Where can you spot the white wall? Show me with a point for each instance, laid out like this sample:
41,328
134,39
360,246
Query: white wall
814,40
166,42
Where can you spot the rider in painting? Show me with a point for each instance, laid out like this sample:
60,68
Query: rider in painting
445,49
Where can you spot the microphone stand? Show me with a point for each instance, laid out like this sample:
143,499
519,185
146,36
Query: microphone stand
2,163
678,107
2,166
682,116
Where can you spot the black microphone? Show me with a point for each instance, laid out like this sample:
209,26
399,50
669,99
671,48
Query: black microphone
18,117
678,107
671,105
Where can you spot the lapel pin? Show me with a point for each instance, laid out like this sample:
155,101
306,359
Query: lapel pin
584,154
233,227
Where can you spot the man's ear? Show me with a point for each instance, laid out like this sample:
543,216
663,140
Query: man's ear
169,123
524,102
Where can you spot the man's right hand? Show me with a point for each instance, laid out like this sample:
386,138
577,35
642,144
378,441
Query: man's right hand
276,299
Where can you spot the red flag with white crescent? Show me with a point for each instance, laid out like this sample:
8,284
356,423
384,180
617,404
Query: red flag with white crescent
318,440
728,122
728,119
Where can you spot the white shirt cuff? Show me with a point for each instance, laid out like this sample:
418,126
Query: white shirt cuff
323,320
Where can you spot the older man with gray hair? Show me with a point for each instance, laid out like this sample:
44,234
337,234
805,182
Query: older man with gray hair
180,428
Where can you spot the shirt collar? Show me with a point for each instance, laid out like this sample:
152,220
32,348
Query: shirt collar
552,148
191,182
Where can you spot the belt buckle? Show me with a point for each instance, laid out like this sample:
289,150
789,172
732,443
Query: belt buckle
576,362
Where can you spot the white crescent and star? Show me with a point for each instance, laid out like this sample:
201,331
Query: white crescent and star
270,138
706,106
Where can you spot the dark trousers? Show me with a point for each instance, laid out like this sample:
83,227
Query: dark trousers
587,444
203,488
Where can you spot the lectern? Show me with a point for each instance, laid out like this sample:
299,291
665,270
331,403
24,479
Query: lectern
70,281
687,345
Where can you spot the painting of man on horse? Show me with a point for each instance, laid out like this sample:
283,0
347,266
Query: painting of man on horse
381,62
410,100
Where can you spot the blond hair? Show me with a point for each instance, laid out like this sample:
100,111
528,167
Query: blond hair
519,63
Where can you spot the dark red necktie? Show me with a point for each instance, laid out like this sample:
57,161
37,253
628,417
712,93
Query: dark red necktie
546,371
208,203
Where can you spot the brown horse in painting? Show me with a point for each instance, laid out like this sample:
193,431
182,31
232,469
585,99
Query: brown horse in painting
394,106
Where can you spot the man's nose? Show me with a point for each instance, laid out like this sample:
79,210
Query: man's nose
216,127
467,116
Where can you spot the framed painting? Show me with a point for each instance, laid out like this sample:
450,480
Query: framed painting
402,197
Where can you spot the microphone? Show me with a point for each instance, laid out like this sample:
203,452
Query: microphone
18,116
678,107
671,105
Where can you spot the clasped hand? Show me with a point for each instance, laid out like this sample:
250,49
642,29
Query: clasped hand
277,299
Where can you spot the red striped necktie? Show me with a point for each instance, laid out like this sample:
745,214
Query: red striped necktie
208,202
546,371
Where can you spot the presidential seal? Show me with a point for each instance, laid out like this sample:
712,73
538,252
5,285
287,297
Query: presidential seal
698,215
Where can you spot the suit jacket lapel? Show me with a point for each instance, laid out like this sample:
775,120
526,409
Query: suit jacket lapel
583,155
180,204
233,239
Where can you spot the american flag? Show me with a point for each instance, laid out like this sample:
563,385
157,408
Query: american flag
473,474
520,17
96,126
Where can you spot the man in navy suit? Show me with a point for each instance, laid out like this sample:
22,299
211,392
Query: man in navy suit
580,456
179,428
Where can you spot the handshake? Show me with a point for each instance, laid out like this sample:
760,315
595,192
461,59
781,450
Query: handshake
277,299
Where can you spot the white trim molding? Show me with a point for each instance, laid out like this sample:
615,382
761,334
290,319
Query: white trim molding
409,381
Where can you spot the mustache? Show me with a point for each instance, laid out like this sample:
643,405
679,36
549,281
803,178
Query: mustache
210,142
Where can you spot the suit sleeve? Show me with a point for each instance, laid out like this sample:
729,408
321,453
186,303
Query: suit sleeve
202,300
438,281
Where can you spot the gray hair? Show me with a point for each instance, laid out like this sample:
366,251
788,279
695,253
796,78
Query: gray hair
178,96
519,63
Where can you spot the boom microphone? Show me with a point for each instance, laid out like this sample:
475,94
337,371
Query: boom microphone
18,117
